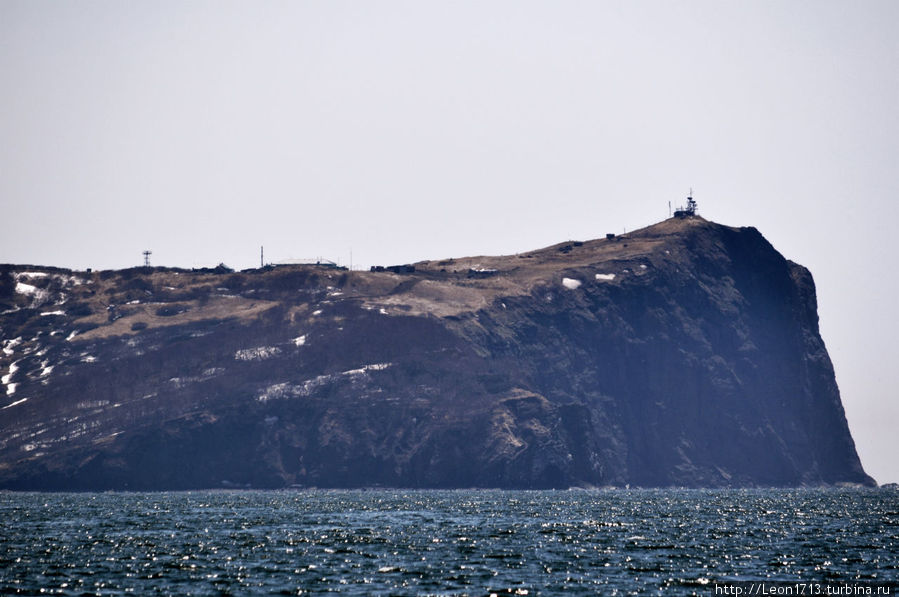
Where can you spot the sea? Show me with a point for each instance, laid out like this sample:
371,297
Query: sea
460,542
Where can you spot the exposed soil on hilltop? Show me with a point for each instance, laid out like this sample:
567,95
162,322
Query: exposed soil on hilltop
685,353
106,304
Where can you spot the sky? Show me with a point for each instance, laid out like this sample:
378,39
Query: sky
382,132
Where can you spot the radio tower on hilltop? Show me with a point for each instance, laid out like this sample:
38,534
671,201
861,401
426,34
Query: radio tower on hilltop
147,258
690,210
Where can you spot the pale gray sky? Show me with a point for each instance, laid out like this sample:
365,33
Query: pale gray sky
418,130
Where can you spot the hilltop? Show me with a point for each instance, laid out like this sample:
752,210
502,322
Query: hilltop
686,353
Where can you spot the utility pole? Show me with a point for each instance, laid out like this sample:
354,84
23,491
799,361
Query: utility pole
261,256
147,258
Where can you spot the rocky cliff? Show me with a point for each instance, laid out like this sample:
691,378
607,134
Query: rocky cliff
686,353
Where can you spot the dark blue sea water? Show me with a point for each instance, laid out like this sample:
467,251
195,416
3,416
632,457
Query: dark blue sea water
394,542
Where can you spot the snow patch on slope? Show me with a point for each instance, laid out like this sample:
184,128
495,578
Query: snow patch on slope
7,379
257,354
28,289
9,345
306,388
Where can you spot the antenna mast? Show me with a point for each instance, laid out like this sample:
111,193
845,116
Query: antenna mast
261,256
688,211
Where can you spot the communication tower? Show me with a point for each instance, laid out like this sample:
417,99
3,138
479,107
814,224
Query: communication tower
688,211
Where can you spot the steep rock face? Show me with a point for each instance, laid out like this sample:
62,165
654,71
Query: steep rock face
686,353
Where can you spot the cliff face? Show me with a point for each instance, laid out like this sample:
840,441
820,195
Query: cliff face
686,353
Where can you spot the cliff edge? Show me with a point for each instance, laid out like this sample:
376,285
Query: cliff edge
683,354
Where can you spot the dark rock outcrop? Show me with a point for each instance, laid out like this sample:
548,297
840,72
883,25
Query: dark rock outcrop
684,354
